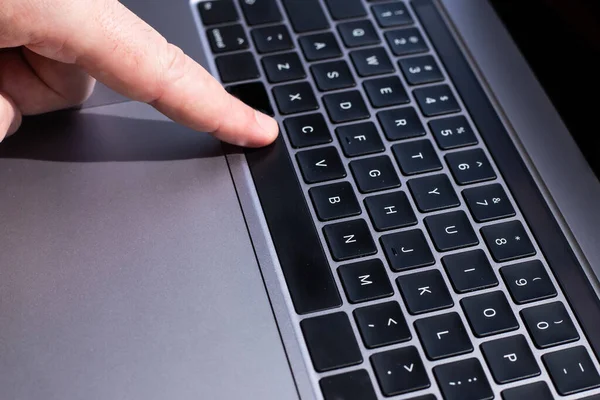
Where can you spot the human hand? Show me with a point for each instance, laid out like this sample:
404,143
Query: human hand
52,50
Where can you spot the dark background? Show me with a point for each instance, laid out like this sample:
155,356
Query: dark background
561,41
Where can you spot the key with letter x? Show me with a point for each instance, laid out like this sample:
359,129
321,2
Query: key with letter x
294,98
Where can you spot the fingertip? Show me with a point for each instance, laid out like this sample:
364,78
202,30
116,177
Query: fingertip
269,129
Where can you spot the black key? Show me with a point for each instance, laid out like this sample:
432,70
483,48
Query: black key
331,342
469,271
507,241
424,292
333,75
260,11
528,281
344,9
237,67
407,250
537,391
360,139
307,130
349,239
320,165
354,385
549,325
272,38
384,92
489,314
424,397
433,192
392,14
401,123
452,132
488,203
227,38
420,70
451,231
470,166
463,380
436,100
373,174
346,106
304,264
217,12
306,15
369,62
382,325
253,94
358,33
334,201
417,157
283,67
406,41
572,370
510,359
390,211
400,371
443,336
365,280
294,98
321,46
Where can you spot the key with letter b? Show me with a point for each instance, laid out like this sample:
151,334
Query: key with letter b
334,201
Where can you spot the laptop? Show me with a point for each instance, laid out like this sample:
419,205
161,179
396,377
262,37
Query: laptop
424,227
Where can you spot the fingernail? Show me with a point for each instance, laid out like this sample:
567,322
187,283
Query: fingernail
268,124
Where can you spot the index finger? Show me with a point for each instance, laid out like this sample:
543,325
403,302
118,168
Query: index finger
122,51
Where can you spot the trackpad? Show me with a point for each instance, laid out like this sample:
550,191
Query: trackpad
126,268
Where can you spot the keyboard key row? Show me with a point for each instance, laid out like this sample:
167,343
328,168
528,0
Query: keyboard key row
398,124
401,370
468,271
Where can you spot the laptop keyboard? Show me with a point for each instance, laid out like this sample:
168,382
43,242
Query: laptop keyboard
408,264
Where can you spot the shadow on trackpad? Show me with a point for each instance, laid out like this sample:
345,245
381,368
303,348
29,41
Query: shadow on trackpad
126,270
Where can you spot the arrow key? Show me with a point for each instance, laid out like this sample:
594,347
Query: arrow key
227,38
321,164
382,325
400,371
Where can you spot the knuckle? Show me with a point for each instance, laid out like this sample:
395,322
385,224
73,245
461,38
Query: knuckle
174,67
80,92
